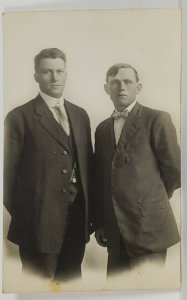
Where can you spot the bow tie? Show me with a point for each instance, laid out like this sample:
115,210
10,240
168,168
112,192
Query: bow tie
117,115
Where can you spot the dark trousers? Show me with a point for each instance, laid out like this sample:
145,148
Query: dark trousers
124,262
119,259
66,264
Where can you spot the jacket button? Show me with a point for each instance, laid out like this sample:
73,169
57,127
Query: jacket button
63,190
64,171
65,152
140,200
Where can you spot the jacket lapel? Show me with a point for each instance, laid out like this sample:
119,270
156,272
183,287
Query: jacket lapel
48,122
131,126
75,122
80,139
109,140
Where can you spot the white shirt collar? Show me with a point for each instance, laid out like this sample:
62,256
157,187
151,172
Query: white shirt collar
51,101
130,107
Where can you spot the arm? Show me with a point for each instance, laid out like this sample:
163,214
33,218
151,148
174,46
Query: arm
98,195
90,173
167,152
13,147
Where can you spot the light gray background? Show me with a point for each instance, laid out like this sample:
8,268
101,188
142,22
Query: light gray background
43,5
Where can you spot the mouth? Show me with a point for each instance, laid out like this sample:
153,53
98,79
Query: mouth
122,95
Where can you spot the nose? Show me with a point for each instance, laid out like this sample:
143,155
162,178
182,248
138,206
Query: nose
122,85
54,76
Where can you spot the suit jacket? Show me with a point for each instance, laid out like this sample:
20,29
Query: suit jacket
36,188
136,178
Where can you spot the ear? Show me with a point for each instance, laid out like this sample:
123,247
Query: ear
138,88
36,76
106,88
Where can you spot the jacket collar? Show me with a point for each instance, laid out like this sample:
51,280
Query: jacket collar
74,119
131,125
48,122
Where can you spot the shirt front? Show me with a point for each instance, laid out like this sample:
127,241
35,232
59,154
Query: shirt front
52,102
119,123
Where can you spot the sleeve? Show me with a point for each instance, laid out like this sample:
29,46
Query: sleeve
90,173
98,179
167,152
13,148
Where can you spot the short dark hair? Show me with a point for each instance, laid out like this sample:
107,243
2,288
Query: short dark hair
48,53
112,71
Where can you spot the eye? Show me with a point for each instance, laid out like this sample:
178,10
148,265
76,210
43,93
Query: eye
114,82
127,81
46,71
60,71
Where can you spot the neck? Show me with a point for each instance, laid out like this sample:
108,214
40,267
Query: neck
129,107
52,96
120,109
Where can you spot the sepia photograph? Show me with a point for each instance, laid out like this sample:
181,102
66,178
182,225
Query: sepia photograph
92,163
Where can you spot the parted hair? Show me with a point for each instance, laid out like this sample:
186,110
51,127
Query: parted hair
113,70
49,53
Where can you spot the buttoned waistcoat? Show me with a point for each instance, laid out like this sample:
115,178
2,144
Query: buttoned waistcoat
36,187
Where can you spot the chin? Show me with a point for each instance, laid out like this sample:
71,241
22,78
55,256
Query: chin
56,95
123,103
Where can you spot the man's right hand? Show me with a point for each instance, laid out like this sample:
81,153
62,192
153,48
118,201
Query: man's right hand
100,236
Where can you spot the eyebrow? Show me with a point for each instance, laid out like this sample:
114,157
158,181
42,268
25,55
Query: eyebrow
48,69
116,79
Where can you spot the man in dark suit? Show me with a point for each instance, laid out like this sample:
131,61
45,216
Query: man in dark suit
137,161
47,172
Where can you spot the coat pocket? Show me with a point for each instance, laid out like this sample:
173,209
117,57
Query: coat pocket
149,208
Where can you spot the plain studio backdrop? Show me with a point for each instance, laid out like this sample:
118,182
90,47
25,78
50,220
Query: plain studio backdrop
93,40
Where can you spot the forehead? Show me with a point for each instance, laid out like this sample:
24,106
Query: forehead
124,73
51,63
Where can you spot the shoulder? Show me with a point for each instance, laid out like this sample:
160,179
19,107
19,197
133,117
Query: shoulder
80,112
21,110
157,122
103,125
155,116
74,107
154,113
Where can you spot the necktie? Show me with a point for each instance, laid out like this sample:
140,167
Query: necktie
119,120
62,119
117,115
